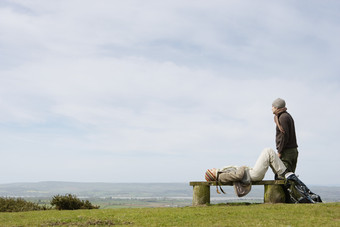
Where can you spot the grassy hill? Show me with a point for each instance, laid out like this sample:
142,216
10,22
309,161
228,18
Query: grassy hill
324,214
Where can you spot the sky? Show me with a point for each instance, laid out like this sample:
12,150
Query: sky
160,91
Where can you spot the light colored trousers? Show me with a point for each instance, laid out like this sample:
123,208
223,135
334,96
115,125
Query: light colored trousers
267,158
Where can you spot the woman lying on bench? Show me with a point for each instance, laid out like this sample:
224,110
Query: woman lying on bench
243,176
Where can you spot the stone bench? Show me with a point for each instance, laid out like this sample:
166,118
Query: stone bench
273,192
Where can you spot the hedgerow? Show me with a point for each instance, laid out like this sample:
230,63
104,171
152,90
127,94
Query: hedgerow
8,204
71,202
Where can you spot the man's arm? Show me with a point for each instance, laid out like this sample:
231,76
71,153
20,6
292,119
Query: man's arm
283,137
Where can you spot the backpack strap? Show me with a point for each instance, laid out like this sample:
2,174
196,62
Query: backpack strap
218,184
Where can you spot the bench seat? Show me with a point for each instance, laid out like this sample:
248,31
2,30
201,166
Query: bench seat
273,191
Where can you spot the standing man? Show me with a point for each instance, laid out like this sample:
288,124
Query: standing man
286,144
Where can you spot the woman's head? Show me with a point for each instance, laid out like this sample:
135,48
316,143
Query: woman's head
210,174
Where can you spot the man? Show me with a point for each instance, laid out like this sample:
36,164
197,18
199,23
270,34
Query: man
286,144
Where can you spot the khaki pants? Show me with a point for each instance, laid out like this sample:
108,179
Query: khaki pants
289,158
267,158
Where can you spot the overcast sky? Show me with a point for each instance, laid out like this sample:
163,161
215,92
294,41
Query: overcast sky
160,91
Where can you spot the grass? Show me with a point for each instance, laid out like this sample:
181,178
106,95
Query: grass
323,214
139,203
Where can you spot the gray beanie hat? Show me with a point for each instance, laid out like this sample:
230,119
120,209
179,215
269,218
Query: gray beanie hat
279,103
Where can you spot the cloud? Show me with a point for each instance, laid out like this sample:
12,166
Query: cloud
89,89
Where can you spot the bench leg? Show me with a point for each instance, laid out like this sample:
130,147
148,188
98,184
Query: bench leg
274,194
201,195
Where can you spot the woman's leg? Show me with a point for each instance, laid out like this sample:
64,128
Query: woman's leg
267,158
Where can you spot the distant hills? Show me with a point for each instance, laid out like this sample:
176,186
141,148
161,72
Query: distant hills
50,188
134,190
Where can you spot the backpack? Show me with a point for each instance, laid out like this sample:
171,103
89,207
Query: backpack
299,192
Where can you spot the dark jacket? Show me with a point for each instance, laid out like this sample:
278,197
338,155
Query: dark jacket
286,140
